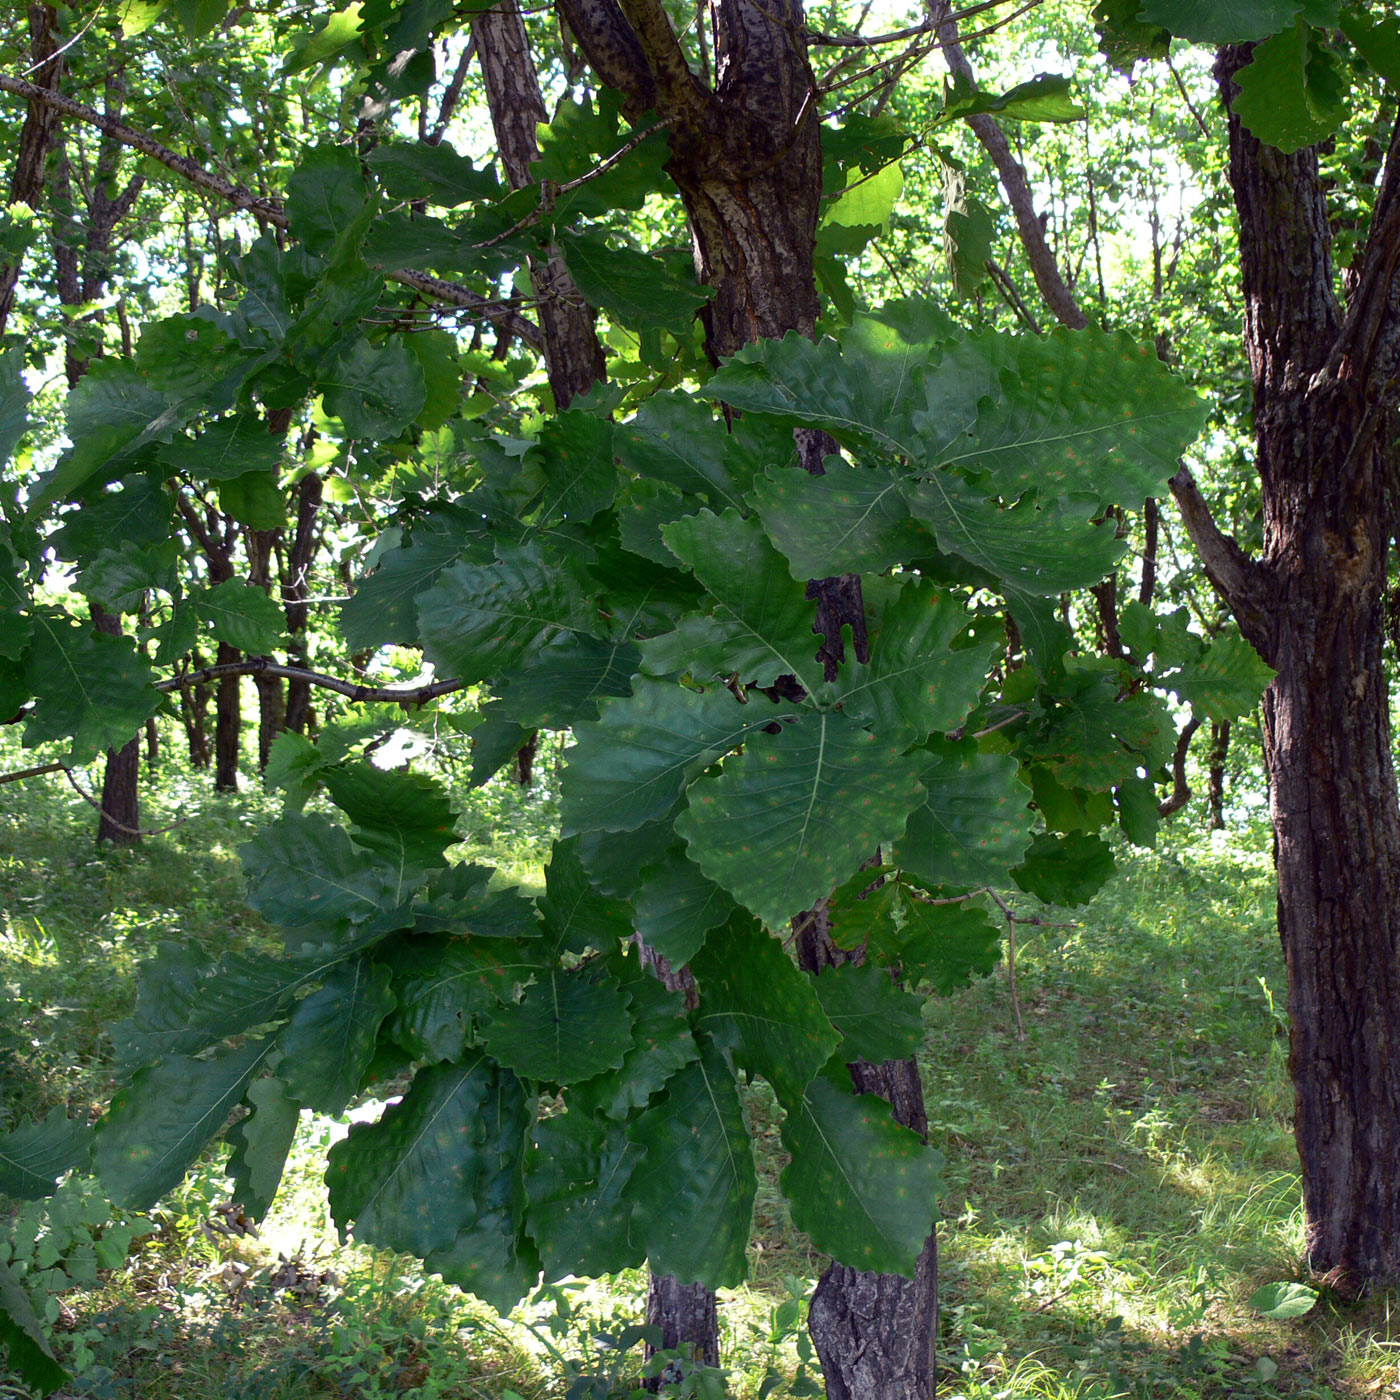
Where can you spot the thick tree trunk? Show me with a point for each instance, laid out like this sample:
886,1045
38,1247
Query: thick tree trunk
752,190
120,820
1324,412
1327,742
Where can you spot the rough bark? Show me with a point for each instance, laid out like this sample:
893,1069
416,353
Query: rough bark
1324,410
746,158
688,1316
36,137
272,705
228,722
194,715
573,356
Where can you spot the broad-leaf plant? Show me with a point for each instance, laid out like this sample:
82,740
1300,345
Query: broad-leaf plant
634,573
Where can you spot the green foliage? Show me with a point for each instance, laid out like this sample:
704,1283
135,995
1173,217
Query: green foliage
863,1187
645,573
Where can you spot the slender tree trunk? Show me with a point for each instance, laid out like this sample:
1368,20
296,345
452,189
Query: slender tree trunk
272,706
194,715
1215,787
120,821
573,357
228,722
35,140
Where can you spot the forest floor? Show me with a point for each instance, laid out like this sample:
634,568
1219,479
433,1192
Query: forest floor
1121,1180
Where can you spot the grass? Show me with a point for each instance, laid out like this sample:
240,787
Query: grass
1120,1182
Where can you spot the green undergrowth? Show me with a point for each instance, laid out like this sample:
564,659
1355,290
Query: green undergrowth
1121,1181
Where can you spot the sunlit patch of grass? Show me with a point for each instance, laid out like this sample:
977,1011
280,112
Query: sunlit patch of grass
1120,1182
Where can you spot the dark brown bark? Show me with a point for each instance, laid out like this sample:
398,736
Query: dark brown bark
36,137
194,715
573,356
217,536
1215,784
688,1316
1151,525
228,722
120,820
1324,410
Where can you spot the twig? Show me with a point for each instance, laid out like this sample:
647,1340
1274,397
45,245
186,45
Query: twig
1011,921
262,666
1186,98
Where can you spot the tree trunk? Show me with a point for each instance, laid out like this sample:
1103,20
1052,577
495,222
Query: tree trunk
755,236
194,715
1337,845
120,820
1324,414
686,1314
573,357
35,139
228,723
1215,788
875,1333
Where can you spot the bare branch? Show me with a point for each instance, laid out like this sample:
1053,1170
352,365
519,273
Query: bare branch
20,774
1242,583
987,129
263,666
107,818
1181,790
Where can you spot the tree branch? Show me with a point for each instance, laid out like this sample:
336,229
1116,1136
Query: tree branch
1240,581
1181,789
263,666
451,293
20,774
613,50
987,129
678,88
